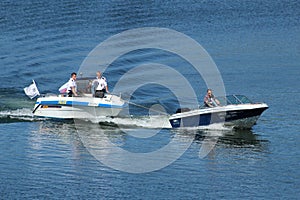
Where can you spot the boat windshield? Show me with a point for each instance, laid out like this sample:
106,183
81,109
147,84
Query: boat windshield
233,100
85,85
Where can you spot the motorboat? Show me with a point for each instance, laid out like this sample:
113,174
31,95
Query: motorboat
85,106
236,111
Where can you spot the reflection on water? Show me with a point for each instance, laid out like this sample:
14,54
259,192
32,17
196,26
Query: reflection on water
242,138
231,138
63,127
103,137
56,137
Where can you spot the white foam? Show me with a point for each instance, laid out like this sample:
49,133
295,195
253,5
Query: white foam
22,114
157,121
18,112
153,121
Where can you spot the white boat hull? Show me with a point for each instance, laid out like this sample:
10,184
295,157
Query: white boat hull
86,107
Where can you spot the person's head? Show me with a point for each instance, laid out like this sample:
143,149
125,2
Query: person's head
209,92
98,73
73,76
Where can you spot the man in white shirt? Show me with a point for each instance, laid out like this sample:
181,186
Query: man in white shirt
101,85
72,87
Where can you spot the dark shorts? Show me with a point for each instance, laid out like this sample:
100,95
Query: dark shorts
70,93
99,93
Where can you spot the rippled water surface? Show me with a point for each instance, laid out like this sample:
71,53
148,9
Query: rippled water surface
255,45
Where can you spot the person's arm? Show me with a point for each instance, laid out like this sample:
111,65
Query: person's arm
209,104
74,91
105,84
217,101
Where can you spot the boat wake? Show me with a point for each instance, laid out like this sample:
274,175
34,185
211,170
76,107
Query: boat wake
149,122
154,122
18,115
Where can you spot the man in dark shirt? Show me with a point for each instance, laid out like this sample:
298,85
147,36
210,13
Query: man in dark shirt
210,100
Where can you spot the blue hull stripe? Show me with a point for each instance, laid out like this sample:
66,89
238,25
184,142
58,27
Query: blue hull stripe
77,103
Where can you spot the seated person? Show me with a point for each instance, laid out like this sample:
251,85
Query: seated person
210,100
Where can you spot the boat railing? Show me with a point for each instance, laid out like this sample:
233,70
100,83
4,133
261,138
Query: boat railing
233,100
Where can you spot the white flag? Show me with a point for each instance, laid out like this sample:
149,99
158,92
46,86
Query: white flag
31,91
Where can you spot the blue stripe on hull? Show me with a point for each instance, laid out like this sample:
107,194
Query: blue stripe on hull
76,103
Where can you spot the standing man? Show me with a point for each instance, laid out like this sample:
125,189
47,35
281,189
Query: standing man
101,85
72,87
210,100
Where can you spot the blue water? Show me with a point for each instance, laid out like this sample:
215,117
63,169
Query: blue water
255,45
